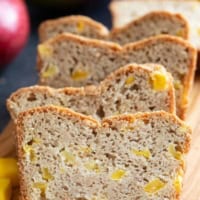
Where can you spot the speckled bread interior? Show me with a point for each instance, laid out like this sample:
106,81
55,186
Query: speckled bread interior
66,155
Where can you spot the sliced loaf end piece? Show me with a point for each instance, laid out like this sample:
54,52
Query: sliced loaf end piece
151,24
65,155
76,24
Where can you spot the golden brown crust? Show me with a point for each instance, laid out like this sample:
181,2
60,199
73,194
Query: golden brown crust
103,31
152,15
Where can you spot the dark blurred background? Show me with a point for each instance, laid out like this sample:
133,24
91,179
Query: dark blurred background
22,70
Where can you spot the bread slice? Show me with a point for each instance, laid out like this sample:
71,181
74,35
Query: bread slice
130,89
151,24
127,10
76,24
66,155
71,60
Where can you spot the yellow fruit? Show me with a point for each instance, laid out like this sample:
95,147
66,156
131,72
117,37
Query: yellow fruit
50,71
129,80
144,153
9,170
79,75
41,186
46,175
180,33
45,50
178,182
118,174
176,154
29,150
68,157
80,27
5,189
92,166
159,81
154,186
177,85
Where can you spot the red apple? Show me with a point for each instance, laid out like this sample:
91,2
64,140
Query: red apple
14,29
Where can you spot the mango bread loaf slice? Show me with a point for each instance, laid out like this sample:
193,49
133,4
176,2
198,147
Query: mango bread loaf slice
76,24
151,24
71,60
125,11
130,89
66,155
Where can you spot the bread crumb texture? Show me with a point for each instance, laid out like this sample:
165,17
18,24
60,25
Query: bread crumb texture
78,158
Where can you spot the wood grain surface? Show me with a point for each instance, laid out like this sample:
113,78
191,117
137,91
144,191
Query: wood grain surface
191,186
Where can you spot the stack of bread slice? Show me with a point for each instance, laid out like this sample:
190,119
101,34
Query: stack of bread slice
103,124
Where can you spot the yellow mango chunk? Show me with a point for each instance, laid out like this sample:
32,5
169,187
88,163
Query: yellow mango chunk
92,166
129,80
80,26
177,85
180,33
178,182
46,175
9,169
159,81
45,50
5,189
176,154
79,75
68,157
42,187
118,174
144,153
86,150
154,186
50,71
29,150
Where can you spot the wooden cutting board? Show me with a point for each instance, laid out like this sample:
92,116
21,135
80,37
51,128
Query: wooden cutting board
191,187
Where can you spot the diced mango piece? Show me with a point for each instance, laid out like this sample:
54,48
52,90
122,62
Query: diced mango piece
180,33
9,169
42,187
5,189
80,26
68,157
154,186
50,71
177,85
45,50
46,175
178,182
79,75
159,81
129,80
29,150
118,174
92,166
86,150
175,153
144,153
